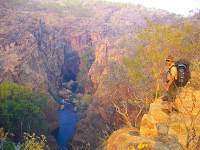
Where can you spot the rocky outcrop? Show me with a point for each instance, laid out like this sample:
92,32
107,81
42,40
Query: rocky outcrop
99,64
127,138
184,124
176,130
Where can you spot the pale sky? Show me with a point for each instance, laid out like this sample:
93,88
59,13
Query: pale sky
176,6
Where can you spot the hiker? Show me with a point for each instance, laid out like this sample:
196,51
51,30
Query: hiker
178,75
170,85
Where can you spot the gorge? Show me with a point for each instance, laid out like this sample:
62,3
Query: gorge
88,47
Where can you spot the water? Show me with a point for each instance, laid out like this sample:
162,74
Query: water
67,120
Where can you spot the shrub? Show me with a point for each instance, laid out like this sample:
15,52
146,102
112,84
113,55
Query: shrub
5,142
33,142
86,99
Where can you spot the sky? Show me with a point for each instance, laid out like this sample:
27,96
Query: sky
181,7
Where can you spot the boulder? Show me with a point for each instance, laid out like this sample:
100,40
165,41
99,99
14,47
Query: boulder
179,130
127,138
150,121
148,126
65,93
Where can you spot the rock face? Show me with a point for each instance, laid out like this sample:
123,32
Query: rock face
98,66
126,138
36,58
37,48
161,130
42,44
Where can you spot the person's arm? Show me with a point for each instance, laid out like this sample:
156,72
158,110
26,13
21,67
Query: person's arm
173,77
169,83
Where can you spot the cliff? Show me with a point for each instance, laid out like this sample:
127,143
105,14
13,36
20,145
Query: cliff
39,40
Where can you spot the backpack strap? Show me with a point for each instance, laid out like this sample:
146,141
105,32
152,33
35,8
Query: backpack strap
169,70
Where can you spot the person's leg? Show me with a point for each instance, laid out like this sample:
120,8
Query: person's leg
166,103
173,94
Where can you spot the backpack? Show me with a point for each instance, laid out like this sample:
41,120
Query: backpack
183,73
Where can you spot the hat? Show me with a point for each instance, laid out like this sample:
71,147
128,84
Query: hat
170,58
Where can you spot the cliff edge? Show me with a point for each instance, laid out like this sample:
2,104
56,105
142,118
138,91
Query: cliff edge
159,130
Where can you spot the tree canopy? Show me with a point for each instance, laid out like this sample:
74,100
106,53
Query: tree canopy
21,109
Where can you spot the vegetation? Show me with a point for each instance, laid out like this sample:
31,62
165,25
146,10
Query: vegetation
119,101
192,133
5,143
30,142
158,41
74,7
86,99
33,142
21,110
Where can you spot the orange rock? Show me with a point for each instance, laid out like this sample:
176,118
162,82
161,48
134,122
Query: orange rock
123,139
148,126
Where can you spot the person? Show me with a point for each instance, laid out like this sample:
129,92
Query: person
169,85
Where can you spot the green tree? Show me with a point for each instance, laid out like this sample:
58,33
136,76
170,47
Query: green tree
21,109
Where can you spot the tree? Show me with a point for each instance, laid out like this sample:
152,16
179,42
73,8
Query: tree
21,109
158,41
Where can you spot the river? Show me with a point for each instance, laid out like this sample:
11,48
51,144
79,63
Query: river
67,120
